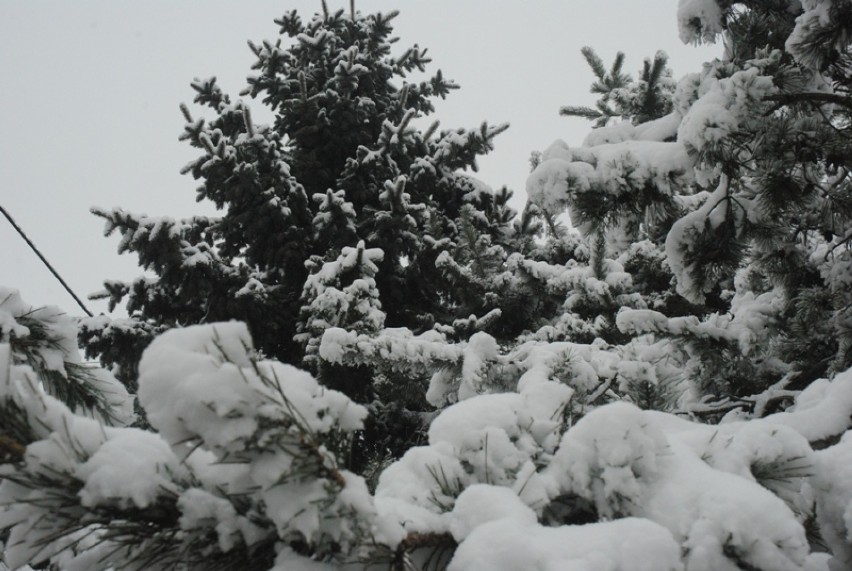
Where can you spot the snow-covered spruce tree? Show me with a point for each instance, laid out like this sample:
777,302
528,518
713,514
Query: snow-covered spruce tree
517,285
341,163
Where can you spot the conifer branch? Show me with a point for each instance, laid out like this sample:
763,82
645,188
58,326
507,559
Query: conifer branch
594,61
186,114
303,87
617,64
208,144
403,97
415,540
248,122
255,49
431,130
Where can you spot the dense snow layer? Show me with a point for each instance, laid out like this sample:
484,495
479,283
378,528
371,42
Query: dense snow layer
623,460
616,169
683,234
625,176
670,493
699,20
832,486
230,426
822,411
201,382
203,386
513,544
679,494
700,483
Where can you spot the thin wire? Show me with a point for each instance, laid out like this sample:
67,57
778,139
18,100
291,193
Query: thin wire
44,260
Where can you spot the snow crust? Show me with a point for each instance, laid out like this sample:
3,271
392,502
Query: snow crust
510,544
199,382
699,20
822,410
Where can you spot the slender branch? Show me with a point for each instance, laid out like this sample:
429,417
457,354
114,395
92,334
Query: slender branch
416,540
830,123
843,242
721,407
809,97
44,261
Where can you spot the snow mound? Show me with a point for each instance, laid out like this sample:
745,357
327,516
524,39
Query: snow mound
510,544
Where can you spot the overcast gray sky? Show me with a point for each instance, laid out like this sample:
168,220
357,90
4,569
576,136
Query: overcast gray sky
89,94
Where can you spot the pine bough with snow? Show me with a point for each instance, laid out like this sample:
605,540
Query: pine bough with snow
667,389
245,468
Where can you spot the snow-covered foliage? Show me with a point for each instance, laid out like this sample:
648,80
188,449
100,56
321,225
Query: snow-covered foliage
246,453
740,195
247,465
665,386
340,168
44,339
341,163
331,303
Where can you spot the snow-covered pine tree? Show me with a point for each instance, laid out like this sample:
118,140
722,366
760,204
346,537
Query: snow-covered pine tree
781,213
739,188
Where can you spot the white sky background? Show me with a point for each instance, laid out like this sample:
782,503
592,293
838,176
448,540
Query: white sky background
89,94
